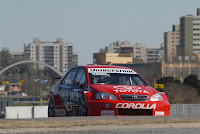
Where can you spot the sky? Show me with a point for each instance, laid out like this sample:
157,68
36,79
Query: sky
89,24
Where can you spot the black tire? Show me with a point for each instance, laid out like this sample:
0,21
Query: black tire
51,108
83,110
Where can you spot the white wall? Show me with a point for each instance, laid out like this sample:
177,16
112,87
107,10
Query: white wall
16,112
20,112
41,112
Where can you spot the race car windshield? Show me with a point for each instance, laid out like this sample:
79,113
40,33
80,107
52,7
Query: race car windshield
116,79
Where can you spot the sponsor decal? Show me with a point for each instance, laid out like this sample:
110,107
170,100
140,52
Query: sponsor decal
136,105
107,113
60,112
74,110
101,73
159,113
110,70
129,89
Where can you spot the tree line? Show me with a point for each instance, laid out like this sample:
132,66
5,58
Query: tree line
179,93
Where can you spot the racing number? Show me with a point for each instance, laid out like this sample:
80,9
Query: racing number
70,96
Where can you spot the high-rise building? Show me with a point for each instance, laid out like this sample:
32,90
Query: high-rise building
155,54
18,55
112,58
75,59
171,41
190,35
57,54
117,47
5,49
139,52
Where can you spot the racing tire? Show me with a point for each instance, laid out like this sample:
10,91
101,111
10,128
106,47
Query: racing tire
51,108
83,110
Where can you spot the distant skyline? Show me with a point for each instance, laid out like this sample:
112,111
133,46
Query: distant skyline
89,24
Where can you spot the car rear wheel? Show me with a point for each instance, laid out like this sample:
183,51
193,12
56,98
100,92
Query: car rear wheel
51,108
83,110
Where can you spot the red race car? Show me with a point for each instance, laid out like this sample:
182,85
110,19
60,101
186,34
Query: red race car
103,90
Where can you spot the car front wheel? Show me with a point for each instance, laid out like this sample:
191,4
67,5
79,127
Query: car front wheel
51,108
83,110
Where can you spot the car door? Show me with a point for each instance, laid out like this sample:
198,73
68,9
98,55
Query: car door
66,86
79,84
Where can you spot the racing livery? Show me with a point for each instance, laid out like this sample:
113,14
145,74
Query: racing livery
103,90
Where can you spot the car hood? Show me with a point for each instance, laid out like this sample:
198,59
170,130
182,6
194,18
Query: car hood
123,89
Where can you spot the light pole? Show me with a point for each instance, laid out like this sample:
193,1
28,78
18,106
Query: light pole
18,85
154,81
2,87
25,86
33,85
10,83
41,87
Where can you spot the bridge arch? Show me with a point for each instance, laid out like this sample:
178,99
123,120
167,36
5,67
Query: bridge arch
30,61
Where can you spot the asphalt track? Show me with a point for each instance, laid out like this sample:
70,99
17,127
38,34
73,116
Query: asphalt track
103,125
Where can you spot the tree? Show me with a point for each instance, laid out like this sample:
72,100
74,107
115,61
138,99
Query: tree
192,80
137,60
180,93
166,80
5,58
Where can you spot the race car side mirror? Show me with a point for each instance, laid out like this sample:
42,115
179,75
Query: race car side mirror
76,82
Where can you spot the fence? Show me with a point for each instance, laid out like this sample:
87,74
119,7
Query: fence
185,110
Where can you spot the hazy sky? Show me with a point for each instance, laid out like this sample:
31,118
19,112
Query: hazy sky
89,24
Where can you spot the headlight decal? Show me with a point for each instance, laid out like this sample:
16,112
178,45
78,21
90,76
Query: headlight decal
103,95
156,97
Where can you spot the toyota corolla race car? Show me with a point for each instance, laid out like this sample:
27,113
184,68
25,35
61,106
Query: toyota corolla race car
105,91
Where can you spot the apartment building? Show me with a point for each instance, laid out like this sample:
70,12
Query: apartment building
139,52
190,35
112,58
155,54
117,47
18,55
171,42
57,54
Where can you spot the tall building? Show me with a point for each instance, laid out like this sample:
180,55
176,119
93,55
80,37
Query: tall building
57,54
171,41
124,50
5,49
190,35
117,47
112,58
75,59
18,55
155,54
139,52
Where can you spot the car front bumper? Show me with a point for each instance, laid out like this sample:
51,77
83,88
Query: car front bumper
127,108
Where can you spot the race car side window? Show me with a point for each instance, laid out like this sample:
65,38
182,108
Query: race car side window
80,77
70,77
